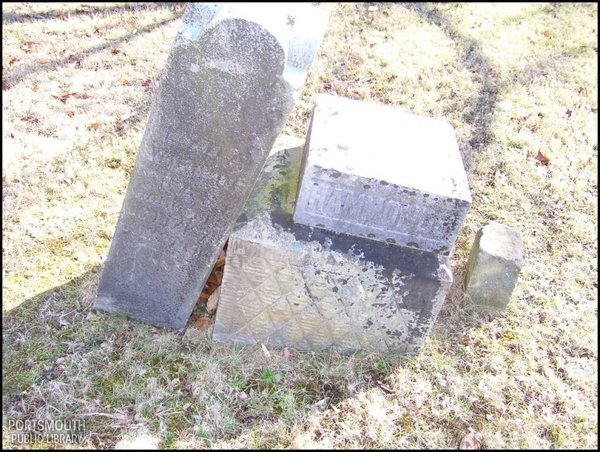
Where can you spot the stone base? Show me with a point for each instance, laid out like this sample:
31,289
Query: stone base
288,284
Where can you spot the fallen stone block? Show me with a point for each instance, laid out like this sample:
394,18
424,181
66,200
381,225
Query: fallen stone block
378,172
288,284
494,265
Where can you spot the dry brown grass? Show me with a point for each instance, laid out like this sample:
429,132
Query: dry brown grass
513,79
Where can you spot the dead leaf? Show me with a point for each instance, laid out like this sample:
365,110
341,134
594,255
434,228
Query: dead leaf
204,296
542,158
94,125
213,282
61,15
12,61
266,351
30,118
201,323
70,114
472,441
5,84
63,98
547,34
212,279
221,260
385,388
213,300
28,46
74,59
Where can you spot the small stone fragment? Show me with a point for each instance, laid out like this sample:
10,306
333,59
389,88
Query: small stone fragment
494,265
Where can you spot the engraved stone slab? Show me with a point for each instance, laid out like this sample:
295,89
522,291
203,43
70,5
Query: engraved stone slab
381,173
224,96
287,284
494,265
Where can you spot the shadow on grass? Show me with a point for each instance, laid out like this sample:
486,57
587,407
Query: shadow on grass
60,360
103,354
33,332
15,77
457,315
53,359
481,113
87,10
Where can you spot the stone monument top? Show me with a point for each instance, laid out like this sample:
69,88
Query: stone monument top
387,144
297,27
378,172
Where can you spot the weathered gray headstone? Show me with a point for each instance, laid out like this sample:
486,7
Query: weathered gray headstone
381,173
494,265
224,96
288,284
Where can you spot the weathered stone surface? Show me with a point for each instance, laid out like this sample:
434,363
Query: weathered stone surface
288,284
494,265
224,96
378,172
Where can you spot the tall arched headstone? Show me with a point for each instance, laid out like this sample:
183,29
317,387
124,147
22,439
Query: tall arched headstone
224,97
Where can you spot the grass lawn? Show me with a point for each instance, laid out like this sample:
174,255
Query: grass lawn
519,83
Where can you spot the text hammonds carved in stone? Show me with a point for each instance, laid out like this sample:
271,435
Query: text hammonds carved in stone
381,173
